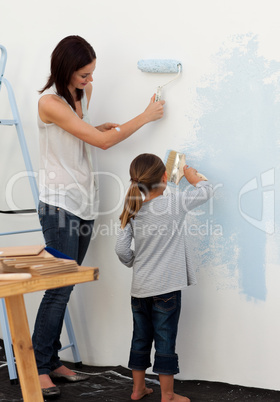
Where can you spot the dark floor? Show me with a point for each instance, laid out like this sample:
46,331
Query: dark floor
114,384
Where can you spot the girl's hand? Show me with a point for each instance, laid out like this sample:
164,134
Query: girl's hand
191,175
154,111
106,126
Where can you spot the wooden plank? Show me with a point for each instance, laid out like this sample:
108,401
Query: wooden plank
21,250
24,354
37,283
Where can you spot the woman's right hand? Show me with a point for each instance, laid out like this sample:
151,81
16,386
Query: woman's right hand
154,111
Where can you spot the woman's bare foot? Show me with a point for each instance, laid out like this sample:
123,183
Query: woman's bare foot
45,381
64,370
136,395
174,398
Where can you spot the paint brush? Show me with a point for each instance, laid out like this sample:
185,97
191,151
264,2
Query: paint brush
175,167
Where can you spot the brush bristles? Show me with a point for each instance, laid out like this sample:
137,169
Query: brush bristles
170,163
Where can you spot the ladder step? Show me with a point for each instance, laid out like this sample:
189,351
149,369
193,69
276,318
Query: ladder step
8,122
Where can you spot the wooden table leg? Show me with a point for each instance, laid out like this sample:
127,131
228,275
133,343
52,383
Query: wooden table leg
23,349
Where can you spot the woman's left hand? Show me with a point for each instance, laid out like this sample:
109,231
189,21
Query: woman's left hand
106,126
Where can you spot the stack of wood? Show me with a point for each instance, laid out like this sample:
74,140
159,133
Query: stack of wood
38,265
42,263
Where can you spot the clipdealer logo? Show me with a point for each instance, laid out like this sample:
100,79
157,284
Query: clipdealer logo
267,222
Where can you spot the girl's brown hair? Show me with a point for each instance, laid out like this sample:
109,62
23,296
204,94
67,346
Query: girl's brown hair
146,172
70,54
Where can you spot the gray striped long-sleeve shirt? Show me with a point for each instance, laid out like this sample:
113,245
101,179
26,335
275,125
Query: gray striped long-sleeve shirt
161,259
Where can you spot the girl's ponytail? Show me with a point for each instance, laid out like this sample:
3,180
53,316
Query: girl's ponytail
146,172
132,204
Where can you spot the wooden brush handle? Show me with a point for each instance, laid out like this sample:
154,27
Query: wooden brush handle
9,277
202,176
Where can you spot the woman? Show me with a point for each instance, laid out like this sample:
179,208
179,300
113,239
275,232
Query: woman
68,189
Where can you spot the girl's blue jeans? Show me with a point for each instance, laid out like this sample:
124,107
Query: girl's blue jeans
70,235
155,319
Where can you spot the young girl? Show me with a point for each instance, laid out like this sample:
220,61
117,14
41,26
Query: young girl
161,267
67,182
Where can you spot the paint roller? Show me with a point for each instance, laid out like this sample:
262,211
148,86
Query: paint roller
165,66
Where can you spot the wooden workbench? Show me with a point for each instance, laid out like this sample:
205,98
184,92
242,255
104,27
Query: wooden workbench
13,292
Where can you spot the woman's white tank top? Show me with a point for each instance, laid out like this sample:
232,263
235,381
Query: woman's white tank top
67,165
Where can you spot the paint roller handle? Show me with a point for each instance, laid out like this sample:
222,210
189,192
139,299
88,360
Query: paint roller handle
154,110
158,94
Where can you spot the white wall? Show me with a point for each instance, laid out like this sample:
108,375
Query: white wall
224,113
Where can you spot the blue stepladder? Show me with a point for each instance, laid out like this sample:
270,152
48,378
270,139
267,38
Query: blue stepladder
34,188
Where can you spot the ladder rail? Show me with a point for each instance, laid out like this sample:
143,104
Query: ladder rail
19,232
7,342
17,122
3,61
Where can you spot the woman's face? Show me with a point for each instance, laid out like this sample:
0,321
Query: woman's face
82,77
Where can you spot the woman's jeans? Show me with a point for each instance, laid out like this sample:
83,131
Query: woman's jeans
70,235
155,319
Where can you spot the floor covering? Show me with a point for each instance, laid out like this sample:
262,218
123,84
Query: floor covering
114,384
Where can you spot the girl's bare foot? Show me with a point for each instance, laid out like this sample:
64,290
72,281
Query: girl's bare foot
136,395
174,398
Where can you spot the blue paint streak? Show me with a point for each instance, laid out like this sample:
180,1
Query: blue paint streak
239,132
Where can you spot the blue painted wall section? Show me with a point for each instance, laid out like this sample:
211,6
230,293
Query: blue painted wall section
239,134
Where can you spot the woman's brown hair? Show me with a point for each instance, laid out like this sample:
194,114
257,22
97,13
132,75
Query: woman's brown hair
146,172
70,54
